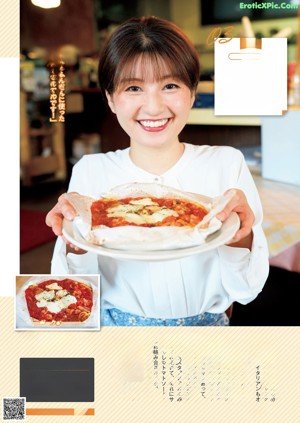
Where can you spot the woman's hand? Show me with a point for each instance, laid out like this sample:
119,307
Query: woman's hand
238,203
54,219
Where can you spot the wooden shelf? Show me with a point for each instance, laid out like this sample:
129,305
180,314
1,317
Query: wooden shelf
207,117
32,165
35,132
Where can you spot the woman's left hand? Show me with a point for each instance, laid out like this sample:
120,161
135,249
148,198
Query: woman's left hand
238,203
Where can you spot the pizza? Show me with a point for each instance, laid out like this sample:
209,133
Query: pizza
141,217
146,212
57,301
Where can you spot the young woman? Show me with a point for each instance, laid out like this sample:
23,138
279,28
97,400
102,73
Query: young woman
149,72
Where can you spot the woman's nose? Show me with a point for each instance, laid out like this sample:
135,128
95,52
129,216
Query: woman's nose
153,104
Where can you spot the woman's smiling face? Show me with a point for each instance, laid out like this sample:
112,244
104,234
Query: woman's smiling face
151,107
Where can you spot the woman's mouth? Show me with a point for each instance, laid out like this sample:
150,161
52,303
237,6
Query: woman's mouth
154,125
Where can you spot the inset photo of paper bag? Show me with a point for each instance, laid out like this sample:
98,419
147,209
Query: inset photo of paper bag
251,76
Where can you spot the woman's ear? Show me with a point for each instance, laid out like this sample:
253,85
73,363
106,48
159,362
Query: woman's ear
110,101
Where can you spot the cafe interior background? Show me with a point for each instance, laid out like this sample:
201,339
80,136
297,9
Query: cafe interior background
76,31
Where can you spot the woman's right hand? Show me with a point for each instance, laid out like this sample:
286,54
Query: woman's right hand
54,219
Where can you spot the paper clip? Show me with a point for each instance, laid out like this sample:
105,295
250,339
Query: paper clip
253,45
244,56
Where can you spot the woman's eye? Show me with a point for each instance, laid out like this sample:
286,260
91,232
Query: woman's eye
133,89
171,86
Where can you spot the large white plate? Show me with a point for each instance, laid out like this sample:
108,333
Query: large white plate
221,237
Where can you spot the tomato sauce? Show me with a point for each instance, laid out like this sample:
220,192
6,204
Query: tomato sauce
189,214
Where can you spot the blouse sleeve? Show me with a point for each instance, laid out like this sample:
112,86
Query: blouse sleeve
244,272
63,263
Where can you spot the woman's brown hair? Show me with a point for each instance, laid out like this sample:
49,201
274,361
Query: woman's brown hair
153,40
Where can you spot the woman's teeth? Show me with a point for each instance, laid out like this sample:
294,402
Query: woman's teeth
153,123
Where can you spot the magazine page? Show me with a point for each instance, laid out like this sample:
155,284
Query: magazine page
151,179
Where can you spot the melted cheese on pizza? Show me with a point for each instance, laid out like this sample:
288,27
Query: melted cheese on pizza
141,212
55,301
146,211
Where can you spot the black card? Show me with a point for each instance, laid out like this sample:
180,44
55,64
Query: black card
57,379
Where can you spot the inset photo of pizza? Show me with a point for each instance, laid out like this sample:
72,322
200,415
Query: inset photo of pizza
69,302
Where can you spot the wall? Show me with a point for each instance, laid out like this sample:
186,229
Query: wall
186,14
159,8
73,22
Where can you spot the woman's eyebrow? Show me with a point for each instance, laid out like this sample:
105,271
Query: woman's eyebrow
130,80
160,79
169,76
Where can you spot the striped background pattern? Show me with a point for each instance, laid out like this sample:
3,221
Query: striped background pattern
137,370
9,28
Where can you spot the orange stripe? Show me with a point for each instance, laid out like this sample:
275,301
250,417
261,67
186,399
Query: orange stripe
56,412
250,43
49,411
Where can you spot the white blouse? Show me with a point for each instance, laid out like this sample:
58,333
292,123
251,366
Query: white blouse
207,282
